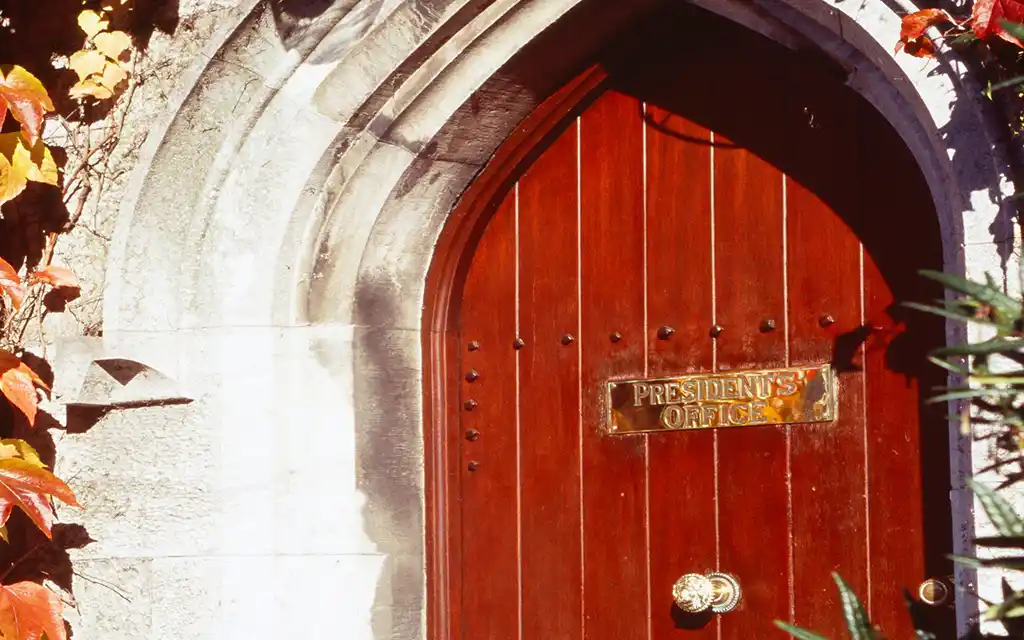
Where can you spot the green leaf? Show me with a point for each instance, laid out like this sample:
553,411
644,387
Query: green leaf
990,294
967,561
948,366
1003,542
1011,607
1014,28
1006,84
1016,563
961,315
988,347
961,394
963,38
856,618
797,632
1000,378
998,509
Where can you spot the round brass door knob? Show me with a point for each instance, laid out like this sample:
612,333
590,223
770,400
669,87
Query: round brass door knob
935,592
695,592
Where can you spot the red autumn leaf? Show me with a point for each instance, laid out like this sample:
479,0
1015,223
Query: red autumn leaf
987,15
18,384
55,277
10,283
912,38
29,487
25,96
28,610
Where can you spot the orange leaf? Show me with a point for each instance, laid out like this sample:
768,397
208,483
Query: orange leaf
912,38
28,487
987,14
18,384
28,610
10,283
25,96
55,277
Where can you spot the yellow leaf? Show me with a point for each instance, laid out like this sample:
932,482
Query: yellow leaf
17,448
112,76
113,43
91,89
20,163
86,63
3,534
92,23
35,162
11,182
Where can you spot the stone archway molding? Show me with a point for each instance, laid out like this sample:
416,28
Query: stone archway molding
284,214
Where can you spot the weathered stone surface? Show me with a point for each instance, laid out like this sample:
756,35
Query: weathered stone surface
268,258
112,599
264,597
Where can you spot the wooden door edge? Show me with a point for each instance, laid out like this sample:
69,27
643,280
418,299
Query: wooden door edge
449,264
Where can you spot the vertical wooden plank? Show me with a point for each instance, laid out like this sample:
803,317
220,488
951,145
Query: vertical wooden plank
549,388
752,483
681,465
823,267
449,612
897,531
908,472
612,300
490,563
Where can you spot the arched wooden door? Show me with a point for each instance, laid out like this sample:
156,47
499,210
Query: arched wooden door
723,205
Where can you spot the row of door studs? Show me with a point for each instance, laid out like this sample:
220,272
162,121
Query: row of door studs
664,333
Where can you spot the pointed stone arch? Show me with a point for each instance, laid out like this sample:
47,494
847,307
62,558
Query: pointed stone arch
299,183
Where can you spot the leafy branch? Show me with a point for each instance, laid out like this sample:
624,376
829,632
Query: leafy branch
103,65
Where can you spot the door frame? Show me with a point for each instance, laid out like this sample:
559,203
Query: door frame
449,265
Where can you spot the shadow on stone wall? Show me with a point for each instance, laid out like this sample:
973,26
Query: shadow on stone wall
389,474
305,25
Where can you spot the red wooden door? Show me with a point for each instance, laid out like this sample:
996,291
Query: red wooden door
721,182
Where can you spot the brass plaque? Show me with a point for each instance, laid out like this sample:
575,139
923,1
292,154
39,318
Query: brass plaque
734,399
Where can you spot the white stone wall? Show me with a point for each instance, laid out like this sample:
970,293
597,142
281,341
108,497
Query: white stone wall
288,177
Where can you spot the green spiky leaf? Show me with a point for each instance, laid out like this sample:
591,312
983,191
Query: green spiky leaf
1015,29
962,314
988,347
856,618
1015,563
1011,607
989,293
1002,514
963,394
797,632
1002,542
